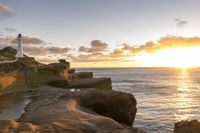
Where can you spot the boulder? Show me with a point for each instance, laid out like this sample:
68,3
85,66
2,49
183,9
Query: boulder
117,105
187,127
79,112
81,75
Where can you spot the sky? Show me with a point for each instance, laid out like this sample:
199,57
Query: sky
94,32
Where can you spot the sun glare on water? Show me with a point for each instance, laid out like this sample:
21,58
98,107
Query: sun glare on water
173,57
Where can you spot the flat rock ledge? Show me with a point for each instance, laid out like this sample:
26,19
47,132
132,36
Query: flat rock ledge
84,111
98,83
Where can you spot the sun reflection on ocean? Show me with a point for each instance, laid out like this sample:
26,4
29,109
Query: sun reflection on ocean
183,99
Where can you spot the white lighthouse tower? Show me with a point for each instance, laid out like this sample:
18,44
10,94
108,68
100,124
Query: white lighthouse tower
19,46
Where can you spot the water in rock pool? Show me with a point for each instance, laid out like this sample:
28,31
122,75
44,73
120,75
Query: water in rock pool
12,106
164,95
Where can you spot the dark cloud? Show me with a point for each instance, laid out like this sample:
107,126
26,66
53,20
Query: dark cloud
180,22
95,46
5,11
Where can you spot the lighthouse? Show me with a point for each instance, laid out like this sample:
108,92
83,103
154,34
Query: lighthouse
19,46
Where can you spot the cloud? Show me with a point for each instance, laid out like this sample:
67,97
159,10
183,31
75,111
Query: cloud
163,43
5,11
126,50
55,50
95,46
98,50
42,50
30,40
180,22
9,30
36,47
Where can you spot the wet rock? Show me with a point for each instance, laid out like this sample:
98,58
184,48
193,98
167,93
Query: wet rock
187,127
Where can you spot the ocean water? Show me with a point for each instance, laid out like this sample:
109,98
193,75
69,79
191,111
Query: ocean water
164,95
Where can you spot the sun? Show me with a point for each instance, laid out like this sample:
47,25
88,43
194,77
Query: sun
172,57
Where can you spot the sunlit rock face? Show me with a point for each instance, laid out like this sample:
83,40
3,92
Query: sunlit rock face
187,127
27,71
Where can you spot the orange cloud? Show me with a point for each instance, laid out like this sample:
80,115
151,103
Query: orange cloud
5,11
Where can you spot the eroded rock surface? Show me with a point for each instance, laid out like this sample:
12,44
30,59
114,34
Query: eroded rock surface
27,71
85,111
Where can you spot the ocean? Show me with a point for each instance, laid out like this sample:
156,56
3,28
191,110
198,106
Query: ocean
164,95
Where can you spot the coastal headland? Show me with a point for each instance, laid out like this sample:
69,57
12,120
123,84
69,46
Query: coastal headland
62,100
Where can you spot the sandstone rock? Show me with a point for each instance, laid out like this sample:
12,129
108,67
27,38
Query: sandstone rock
117,105
187,127
63,61
28,72
21,64
59,83
99,83
8,53
71,71
65,111
81,75
12,126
